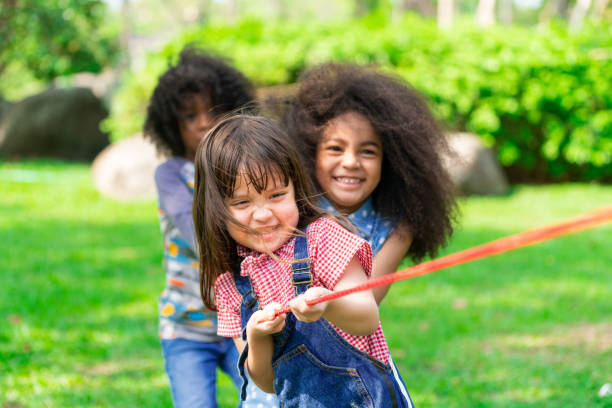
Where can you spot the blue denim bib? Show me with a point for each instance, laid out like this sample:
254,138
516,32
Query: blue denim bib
313,365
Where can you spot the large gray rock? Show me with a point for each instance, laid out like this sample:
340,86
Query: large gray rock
57,123
124,170
473,167
5,106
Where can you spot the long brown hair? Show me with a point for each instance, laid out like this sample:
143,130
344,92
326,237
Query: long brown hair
237,145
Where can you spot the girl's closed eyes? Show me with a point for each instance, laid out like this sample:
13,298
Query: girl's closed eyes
271,215
251,192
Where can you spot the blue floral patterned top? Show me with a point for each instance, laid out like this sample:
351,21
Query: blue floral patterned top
372,227
181,311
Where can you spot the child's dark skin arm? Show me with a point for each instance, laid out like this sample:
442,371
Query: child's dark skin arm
260,328
389,257
356,314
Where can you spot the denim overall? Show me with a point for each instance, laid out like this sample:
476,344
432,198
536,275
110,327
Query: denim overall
314,366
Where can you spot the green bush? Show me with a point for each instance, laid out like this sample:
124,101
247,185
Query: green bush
540,96
45,39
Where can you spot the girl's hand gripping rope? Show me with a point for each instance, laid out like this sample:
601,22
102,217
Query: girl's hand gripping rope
267,321
509,243
306,312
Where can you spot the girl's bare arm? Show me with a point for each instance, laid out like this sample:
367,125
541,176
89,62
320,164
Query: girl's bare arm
356,313
261,346
239,344
389,257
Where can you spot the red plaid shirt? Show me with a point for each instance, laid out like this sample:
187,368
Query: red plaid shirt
331,248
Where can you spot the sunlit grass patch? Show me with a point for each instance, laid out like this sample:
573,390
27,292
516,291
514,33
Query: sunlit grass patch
81,275
592,338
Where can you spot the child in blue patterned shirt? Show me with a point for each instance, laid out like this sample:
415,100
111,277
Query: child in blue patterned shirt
188,100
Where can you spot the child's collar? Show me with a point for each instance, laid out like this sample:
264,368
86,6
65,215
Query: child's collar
243,251
284,253
362,212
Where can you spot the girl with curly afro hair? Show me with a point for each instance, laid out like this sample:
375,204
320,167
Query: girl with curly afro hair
190,97
373,149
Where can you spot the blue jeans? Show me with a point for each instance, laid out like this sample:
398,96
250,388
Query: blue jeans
192,369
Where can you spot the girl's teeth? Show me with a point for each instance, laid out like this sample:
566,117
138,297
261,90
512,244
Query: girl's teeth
348,180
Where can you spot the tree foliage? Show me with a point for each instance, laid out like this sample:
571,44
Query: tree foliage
541,97
51,38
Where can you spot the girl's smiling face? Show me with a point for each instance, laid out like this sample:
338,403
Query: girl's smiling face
195,119
349,161
272,213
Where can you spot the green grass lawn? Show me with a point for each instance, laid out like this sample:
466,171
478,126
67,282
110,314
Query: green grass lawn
80,275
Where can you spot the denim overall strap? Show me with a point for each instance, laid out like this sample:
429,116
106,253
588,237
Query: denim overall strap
248,306
249,303
301,277
315,367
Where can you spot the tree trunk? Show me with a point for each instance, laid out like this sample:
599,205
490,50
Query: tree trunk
446,9
562,8
553,8
505,12
599,8
363,7
485,13
424,7
578,12
281,9
232,10
204,11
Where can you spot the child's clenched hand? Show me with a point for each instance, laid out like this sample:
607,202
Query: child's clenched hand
306,313
263,322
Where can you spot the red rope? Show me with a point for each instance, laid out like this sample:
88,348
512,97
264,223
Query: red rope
499,246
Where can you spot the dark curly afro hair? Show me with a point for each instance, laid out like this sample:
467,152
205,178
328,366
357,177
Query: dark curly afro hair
414,186
197,71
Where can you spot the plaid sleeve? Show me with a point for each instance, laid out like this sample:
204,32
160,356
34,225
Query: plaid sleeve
332,247
228,306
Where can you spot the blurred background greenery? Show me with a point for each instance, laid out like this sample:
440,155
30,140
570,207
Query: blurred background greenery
532,78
